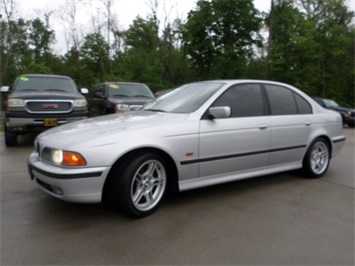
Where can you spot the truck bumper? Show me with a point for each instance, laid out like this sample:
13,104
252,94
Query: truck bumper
34,124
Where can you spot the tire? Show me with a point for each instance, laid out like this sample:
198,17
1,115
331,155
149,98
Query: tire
10,138
140,186
351,125
317,158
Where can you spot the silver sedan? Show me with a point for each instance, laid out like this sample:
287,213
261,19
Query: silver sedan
197,135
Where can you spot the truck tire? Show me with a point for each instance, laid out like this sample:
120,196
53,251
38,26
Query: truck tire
10,138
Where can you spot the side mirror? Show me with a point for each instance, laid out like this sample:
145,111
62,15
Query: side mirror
84,91
5,89
219,112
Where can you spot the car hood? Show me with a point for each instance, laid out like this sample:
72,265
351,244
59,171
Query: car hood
103,130
342,109
46,95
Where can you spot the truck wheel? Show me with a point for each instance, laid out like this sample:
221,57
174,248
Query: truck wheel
10,138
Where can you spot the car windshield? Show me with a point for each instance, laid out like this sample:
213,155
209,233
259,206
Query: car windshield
38,83
185,99
330,103
129,90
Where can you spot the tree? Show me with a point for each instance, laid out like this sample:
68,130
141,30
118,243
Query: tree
40,38
219,37
94,55
312,47
141,58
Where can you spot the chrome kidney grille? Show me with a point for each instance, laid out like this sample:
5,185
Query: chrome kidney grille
49,106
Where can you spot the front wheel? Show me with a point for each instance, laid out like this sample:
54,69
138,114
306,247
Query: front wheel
10,138
316,161
141,185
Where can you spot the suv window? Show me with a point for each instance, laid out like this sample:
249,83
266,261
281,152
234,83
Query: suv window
244,100
99,90
45,83
282,101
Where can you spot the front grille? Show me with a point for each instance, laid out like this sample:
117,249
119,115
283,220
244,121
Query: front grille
45,107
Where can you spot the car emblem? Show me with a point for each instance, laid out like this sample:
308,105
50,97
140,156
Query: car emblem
50,106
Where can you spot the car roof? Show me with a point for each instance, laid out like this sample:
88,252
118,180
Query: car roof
121,82
44,76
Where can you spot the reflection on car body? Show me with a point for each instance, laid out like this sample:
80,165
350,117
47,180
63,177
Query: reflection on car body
200,134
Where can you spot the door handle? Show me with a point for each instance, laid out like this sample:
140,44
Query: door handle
263,126
308,124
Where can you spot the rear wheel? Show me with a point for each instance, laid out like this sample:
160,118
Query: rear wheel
140,185
10,138
316,161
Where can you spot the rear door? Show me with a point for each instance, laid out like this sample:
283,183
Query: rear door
240,142
291,124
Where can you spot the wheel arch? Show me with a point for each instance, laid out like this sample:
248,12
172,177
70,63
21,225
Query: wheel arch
327,140
170,165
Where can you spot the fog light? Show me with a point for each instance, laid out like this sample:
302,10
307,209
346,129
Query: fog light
57,190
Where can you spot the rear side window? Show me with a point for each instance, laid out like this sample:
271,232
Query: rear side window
99,90
244,100
282,101
303,106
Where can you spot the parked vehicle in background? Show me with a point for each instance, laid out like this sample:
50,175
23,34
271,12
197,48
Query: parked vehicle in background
347,114
118,97
198,135
38,102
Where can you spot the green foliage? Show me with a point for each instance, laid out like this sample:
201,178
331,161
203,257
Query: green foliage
311,45
311,48
219,37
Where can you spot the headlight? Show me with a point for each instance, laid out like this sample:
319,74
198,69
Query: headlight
81,104
15,104
63,158
121,108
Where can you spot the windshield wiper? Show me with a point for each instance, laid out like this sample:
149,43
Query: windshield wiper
56,90
120,95
29,90
140,95
155,110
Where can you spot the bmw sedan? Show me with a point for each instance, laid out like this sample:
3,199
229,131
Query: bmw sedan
198,135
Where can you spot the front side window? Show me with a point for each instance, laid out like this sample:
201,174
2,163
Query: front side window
244,100
282,101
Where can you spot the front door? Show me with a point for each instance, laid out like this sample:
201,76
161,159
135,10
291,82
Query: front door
241,142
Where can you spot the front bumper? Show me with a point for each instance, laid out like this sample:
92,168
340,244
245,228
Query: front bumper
33,124
83,185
